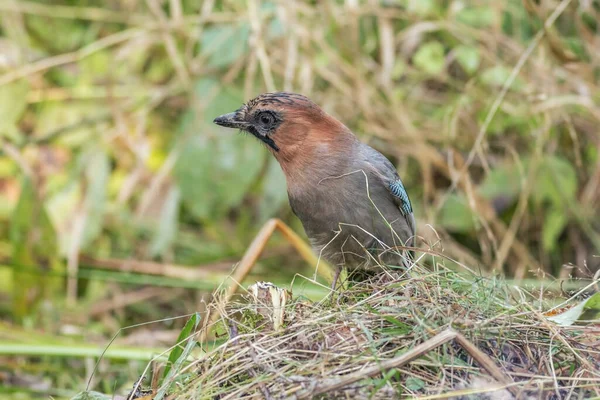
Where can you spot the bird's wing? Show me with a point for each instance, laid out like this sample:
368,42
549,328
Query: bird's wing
401,199
399,192
389,176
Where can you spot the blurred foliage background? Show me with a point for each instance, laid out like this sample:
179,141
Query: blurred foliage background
121,202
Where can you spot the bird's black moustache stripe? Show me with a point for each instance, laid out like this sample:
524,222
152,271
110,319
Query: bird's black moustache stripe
265,139
269,142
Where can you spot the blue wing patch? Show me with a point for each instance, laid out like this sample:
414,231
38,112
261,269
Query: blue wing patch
398,190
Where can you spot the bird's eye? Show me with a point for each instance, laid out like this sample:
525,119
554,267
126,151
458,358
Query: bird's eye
265,119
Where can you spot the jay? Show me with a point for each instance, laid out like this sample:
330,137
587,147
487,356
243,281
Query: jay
348,196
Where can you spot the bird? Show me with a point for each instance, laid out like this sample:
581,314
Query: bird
348,196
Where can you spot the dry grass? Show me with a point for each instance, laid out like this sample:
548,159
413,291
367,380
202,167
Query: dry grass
430,334
464,96
513,89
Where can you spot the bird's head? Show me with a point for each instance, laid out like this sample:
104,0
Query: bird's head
283,121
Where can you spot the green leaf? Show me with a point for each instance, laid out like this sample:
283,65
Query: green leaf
54,116
67,36
185,334
321,60
274,191
593,303
496,77
399,69
60,206
96,67
167,229
399,328
13,101
556,181
34,246
503,180
468,58
422,8
456,215
276,27
97,173
554,224
589,308
223,44
179,354
217,165
414,384
214,174
430,58
478,17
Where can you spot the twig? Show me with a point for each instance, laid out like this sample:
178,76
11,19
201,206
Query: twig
169,41
176,10
152,268
292,48
486,363
69,12
157,182
414,353
261,385
67,58
259,47
77,233
251,256
128,298
386,43
61,130
444,337
105,15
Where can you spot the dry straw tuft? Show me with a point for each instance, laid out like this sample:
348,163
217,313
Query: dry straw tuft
430,334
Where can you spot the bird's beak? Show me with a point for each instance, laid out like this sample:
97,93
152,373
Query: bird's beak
231,120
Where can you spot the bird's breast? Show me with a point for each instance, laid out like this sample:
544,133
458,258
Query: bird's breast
345,215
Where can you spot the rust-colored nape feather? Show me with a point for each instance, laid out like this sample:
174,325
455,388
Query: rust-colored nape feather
307,132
